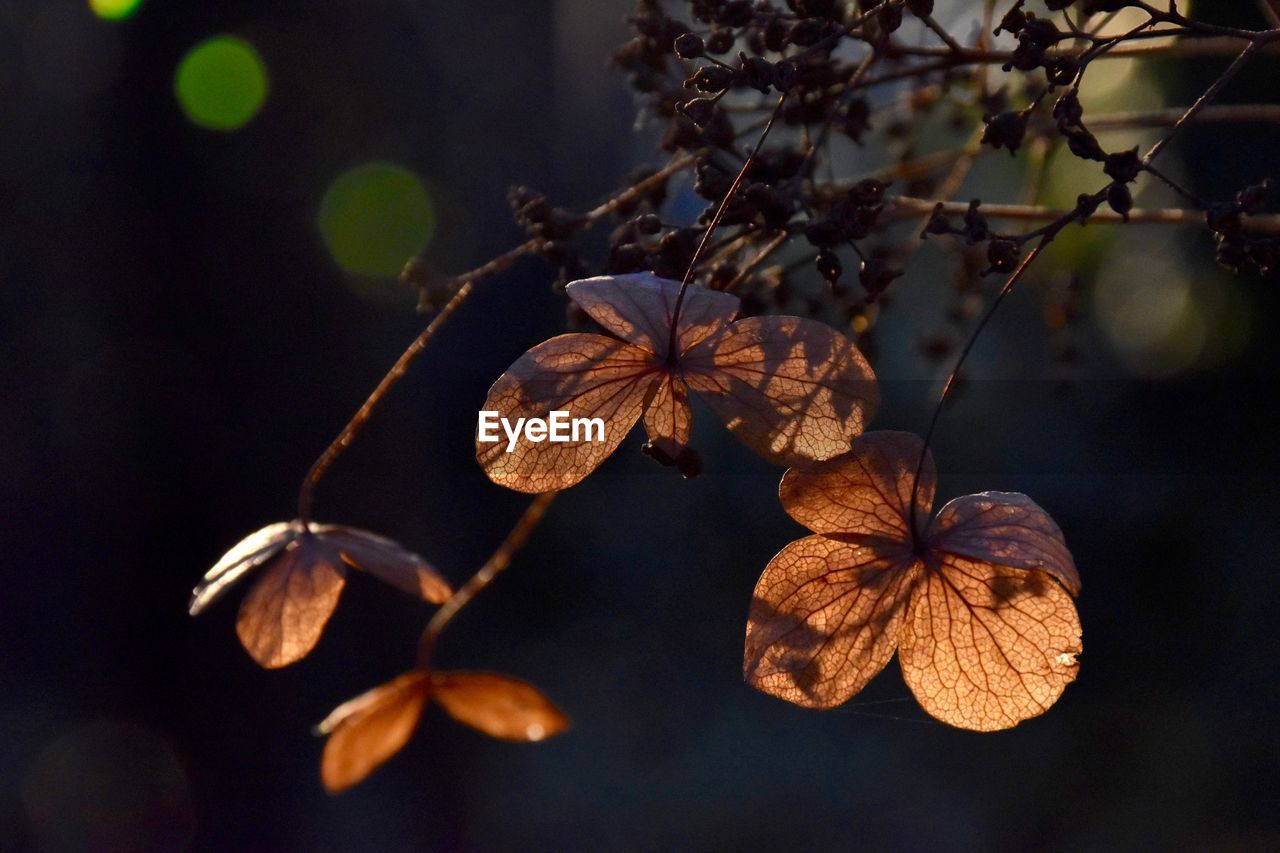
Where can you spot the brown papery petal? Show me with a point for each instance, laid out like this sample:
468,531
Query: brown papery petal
386,560
369,729
667,416
637,307
283,616
793,390
825,618
498,705
1006,528
985,647
250,552
588,376
865,492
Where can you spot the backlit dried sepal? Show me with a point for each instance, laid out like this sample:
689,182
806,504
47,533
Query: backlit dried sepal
285,612
303,570
638,307
249,553
368,730
987,646
1008,529
825,619
588,376
386,560
865,492
667,417
500,706
979,607
792,390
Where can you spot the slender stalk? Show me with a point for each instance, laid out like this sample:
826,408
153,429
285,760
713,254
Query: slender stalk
715,221
1227,113
1205,99
306,495
955,373
1036,213
466,283
497,562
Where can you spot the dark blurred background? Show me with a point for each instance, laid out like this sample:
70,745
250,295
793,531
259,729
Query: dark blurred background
198,289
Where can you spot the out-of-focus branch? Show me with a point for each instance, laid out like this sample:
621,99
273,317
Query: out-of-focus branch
1036,213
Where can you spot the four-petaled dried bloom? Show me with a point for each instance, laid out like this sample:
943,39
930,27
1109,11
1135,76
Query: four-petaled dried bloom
369,729
792,389
978,606
303,571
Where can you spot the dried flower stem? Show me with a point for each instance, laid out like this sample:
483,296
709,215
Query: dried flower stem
1227,113
955,371
715,221
1034,213
306,495
464,284
499,560
1206,98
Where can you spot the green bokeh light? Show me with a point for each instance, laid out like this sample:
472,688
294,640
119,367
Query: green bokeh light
114,10
375,217
221,83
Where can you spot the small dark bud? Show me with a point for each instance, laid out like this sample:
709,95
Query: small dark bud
828,264
1002,254
856,220
711,79
689,463
1123,166
690,46
1232,255
1027,56
1067,110
889,21
875,275
698,110
1086,205
664,451
1120,199
867,192
806,31
937,224
1005,130
1251,198
719,42
648,224
855,119
920,8
628,257
823,233
1062,70
1223,217
775,35
760,195
1263,253
1042,31
785,75
1084,144
735,13
1013,21
758,72
976,229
